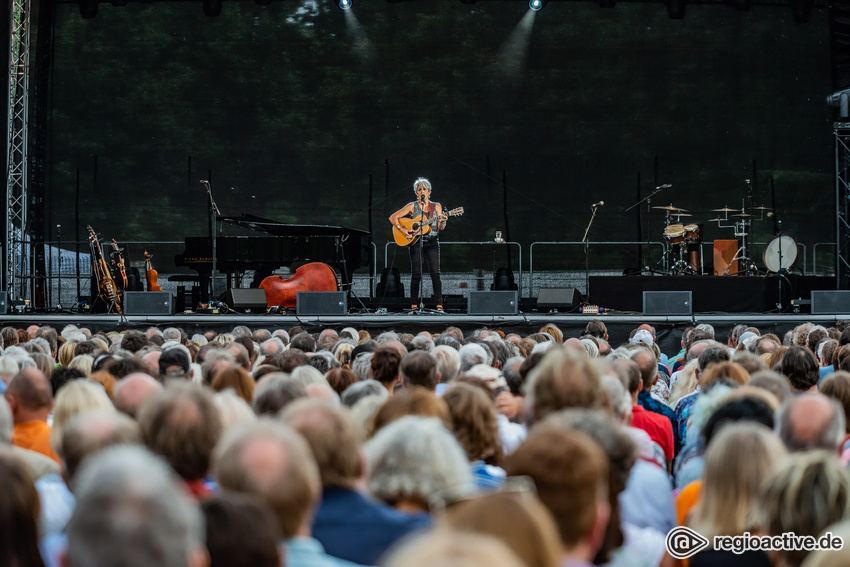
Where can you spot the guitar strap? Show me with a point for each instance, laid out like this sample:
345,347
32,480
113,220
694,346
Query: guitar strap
432,208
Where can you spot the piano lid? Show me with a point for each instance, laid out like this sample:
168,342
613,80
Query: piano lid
275,228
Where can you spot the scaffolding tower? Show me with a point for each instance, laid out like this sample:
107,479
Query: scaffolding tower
14,258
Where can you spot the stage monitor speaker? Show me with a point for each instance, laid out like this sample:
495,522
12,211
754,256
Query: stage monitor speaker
557,298
246,299
725,252
493,303
147,303
321,303
830,302
668,303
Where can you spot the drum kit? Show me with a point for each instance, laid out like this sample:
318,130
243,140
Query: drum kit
684,252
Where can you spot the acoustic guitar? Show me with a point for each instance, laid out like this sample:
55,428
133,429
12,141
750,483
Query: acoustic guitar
421,225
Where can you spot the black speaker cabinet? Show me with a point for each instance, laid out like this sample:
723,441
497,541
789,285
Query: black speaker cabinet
493,303
246,299
557,298
668,303
321,303
830,302
4,302
147,303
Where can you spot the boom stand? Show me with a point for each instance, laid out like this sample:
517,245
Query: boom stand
595,208
214,214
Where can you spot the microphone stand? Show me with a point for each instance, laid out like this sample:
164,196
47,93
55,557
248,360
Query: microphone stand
421,308
648,201
214,212
595,208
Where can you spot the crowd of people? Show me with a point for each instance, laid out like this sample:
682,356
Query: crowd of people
281,447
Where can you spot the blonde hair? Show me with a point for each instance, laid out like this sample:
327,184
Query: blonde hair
83,363
686,384
737,460
76,397
66,353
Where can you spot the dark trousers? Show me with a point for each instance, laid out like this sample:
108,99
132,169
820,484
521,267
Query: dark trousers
429,257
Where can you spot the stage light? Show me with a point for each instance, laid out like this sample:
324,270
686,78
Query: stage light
345,4
535,5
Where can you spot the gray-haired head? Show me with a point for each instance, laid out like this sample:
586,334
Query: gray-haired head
421,182
421,342
360,390
275,391
416,459
132,512
362,366
171,334
472,354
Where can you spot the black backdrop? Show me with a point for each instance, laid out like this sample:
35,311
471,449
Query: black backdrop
290,107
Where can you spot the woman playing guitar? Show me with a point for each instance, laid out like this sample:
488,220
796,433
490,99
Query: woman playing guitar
427,246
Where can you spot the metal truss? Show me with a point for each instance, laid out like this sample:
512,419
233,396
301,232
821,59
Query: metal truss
842,204
16,148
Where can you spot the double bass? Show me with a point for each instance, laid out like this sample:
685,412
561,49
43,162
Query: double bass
314,276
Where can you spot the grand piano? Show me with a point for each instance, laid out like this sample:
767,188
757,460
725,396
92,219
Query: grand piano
269,245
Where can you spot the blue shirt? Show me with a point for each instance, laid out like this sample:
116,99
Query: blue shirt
649,403
308,552
352,526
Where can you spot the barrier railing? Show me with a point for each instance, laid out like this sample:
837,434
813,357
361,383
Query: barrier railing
495,245
662,245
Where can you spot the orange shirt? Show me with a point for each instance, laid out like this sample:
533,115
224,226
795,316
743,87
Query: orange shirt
35,436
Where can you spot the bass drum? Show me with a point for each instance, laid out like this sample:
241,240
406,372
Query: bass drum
780,253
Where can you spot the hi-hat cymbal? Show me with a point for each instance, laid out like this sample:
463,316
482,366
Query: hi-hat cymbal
669,208
723,210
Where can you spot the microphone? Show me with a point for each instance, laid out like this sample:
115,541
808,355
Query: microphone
665,186
599,204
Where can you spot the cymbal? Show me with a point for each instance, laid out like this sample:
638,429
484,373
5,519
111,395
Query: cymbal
718,219
723,210
669,208
681,215
743,215
762,208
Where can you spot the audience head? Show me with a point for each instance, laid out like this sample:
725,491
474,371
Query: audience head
806,493
570,472
333,439
563,379
182,424
800,366
419,368
414,462
241,531
132,391
271,461
811,421
19,511
132,512
516,518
